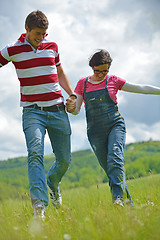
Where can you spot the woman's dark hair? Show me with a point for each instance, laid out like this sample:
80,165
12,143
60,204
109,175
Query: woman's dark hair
99,58
36,19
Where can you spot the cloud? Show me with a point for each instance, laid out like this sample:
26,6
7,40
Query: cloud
142,132
12,139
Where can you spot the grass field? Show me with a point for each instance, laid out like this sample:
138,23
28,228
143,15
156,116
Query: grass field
88,214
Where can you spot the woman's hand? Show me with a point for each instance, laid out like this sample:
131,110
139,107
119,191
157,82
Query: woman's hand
71,104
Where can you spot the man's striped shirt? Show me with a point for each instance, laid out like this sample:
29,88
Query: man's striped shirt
36,71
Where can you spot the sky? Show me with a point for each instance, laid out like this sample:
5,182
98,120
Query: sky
128,29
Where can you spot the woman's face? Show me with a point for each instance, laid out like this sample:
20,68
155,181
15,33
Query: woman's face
100,72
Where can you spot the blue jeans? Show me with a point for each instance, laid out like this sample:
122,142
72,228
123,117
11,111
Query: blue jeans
35,124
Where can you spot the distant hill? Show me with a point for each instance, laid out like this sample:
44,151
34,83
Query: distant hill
141,159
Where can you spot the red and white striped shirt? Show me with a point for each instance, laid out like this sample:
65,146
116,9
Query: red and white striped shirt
36,71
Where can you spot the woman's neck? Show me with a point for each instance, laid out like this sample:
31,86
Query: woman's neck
93,80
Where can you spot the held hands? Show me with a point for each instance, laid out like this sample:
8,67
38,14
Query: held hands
71,103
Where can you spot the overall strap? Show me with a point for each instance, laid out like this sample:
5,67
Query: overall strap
107,80
85,83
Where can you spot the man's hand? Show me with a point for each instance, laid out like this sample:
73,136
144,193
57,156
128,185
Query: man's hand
71,104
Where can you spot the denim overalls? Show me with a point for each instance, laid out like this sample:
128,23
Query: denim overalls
106,133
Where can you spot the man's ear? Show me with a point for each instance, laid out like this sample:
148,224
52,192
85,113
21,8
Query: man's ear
27,28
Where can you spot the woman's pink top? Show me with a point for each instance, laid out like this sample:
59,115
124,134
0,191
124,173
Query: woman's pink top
114,84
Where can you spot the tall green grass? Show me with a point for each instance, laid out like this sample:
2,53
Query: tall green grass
88,214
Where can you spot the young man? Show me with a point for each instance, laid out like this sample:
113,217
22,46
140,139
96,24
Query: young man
40,73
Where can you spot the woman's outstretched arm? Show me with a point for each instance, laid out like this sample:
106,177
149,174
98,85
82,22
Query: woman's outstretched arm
139,88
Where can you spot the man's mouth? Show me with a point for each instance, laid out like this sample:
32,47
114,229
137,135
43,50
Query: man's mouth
38,41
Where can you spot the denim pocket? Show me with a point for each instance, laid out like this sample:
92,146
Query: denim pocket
27,109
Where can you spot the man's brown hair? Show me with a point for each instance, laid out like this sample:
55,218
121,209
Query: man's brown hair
36,19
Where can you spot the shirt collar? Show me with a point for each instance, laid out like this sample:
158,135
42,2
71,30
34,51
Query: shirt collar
22,38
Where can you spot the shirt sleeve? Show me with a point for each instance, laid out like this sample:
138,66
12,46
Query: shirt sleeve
57,58
114,84
80,87
4,57
120,82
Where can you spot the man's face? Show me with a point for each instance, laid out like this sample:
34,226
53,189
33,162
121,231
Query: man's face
35,36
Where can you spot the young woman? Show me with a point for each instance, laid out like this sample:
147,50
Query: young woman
105,126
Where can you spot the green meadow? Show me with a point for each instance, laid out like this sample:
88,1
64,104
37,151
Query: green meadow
87,212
